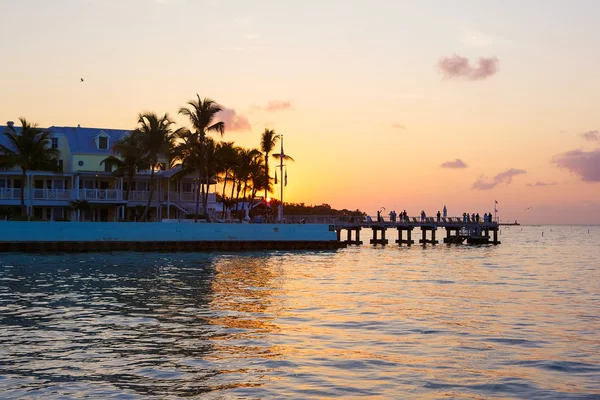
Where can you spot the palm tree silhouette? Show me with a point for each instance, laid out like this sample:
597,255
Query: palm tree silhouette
201,114
29,148
268,140
154,136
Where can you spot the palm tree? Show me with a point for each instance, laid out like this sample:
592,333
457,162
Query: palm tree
201,114
154,137
268,141
29,149
227,156
128,158
248,159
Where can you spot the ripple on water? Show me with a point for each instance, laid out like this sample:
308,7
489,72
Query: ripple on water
519,320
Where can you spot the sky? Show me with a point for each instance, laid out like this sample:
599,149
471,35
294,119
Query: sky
402,105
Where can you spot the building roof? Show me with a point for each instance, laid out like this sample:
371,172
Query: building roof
81,140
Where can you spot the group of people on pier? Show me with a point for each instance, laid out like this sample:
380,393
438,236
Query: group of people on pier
467,218
474,218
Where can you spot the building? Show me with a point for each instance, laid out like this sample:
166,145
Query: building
54,195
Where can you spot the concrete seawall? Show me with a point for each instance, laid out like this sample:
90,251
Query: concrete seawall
109,236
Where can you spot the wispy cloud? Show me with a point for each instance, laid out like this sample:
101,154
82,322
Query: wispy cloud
538,183
399,126
278,105
585,164
459,67
592,136
169,1
234,122
473,38
484,183
458,163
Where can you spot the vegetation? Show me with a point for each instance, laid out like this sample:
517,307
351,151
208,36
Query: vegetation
30,150
155,143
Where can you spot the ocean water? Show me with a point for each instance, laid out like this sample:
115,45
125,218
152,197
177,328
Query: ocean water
519,320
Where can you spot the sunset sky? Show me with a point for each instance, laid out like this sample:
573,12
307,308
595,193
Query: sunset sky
396,104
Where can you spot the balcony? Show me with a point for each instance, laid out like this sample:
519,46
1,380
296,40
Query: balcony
100,195
52,194
11,194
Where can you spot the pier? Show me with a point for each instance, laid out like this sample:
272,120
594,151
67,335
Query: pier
457,231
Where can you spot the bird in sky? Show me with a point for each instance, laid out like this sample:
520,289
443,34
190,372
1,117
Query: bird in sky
81,79
527,208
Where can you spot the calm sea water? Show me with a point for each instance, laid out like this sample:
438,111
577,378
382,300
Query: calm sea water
518,320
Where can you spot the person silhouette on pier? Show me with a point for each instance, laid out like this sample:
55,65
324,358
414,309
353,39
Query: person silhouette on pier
439,215
445,211
378,216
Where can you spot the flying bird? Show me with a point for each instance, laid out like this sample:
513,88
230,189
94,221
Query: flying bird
527,208
81,79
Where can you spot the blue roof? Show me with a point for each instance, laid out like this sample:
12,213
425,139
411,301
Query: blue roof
81,140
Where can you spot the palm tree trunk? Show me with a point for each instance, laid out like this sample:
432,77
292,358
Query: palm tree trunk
147,210
205,198
24,176
267,175
198,196
224,185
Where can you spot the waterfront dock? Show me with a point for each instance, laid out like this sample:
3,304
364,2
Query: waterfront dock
457,231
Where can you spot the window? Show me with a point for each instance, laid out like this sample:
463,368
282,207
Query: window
60,165
17,184
186,187
107,167
102,143
55,143
4,183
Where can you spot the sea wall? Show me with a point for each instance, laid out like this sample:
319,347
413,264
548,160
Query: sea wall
158,232
106,236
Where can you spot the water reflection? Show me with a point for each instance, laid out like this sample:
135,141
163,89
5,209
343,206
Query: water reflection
515,321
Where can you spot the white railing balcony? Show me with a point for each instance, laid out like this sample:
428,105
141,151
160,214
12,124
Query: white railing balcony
100,195
11,194
140,195
52,194
188,197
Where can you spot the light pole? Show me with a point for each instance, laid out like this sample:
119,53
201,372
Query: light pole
281,181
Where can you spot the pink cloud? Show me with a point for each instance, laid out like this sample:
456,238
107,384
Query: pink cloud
591,135
459,67
586,164
398,126
234,122
458,163
278,105
484,183
538,183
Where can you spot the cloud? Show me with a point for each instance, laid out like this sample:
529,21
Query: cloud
459,67
591,135
474,38
538,183
586,164
458,163
484,183
278,105
234,122
399,126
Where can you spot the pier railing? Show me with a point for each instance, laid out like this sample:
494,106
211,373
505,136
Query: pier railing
368,220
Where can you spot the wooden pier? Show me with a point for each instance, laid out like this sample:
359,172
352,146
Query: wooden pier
457,231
